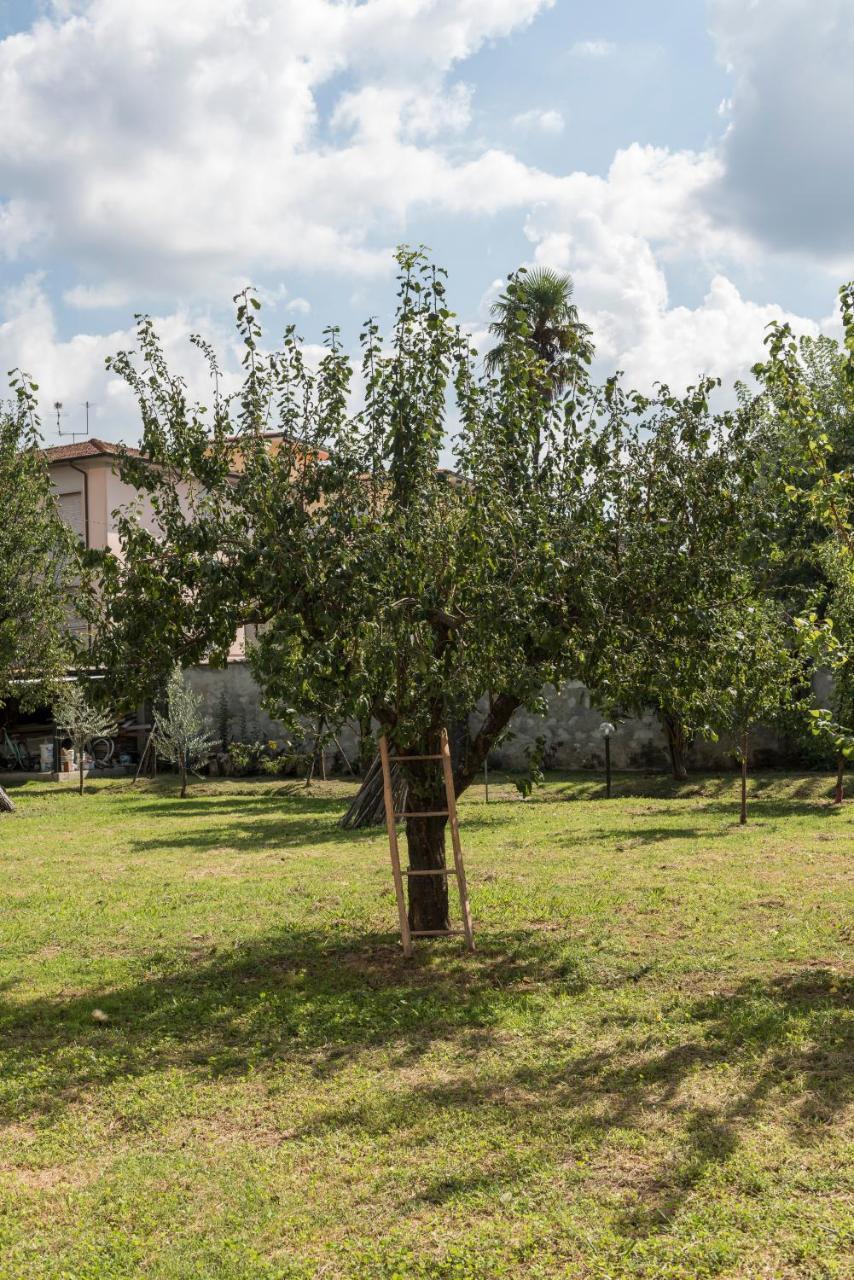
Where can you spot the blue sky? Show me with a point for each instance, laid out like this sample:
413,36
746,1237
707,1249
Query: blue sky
691,163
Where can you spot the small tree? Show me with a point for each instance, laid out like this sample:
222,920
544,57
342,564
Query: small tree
679,538
758,676
81,721
809,393
180,733
38,558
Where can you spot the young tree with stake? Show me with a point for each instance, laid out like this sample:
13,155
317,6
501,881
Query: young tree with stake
758,676
180,732
81,721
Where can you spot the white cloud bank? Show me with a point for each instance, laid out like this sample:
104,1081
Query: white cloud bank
548,121
180,149
174,145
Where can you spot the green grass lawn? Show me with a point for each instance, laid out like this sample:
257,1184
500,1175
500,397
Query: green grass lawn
645,1070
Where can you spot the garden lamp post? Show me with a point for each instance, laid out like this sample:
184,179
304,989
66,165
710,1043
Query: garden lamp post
606,731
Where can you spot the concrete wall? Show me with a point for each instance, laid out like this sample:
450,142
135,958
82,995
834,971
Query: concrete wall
570,728
571,725
247,720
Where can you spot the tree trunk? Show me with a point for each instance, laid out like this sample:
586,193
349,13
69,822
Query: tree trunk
367,746
428,895
425,841
80,765
183,768
319,762
839,794
6,805
742,817
677,743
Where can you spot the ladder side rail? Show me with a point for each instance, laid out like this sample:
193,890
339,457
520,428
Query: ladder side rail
405,936
468,928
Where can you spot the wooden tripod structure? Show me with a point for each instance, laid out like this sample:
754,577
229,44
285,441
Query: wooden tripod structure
407,934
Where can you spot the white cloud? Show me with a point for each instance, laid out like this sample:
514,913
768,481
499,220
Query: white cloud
91,297
173,146
593,49
73,370
723,336
789,147
21,226
181,149
550,121
618,234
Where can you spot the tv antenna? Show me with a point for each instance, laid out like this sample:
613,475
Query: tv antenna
75,432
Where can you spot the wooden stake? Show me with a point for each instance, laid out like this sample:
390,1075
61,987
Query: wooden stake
455,841
143,758
388,797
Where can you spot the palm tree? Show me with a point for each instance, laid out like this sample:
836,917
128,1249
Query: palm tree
553,329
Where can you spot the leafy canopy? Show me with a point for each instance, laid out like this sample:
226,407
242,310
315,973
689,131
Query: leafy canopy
38,557
809,395
382,583
680,540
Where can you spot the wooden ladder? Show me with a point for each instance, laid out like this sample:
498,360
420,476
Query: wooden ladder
407,934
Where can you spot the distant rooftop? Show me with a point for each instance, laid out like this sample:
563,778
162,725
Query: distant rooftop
91,448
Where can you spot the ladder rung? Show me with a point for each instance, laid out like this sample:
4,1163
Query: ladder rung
443,871
435,933
425,813
394,758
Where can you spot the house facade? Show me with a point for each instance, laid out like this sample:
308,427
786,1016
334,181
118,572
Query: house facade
89,490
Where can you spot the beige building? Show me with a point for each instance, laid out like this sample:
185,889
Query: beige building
89,489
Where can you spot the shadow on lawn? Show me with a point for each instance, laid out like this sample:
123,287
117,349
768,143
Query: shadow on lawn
315,996
256,822
324,1001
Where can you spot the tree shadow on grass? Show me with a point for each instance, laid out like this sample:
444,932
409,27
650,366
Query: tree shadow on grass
318,995
639,835
266,827
251,836
325,1000
272,801
788,1043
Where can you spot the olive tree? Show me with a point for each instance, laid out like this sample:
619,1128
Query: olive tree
81,720
384,585
758,675
180,730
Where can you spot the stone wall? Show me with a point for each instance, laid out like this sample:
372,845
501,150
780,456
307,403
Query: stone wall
247,720
570,728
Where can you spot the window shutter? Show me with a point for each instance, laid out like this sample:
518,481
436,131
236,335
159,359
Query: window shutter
71,510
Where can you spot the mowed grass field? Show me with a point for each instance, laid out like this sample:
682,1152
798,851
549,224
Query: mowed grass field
216,1065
